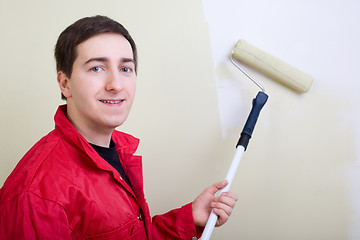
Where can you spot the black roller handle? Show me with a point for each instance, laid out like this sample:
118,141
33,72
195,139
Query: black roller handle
257,105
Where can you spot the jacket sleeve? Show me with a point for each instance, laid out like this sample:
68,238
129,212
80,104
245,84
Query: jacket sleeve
31,217
176,224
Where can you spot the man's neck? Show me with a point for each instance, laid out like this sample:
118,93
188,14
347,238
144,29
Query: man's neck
100,140
96,136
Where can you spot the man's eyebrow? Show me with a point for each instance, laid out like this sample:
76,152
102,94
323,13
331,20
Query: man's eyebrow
104,59
97,59
125,60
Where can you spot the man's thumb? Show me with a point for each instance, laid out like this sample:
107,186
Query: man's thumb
218,186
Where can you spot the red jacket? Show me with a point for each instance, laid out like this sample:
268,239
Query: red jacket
62,189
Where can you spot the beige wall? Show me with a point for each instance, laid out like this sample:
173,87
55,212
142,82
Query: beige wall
298,179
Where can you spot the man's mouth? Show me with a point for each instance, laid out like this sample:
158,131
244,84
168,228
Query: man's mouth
111,101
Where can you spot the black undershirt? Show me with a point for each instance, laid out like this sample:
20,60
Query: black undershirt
112,157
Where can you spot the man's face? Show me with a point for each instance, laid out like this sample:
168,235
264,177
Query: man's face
102,86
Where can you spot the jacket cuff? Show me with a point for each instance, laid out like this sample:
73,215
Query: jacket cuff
189,220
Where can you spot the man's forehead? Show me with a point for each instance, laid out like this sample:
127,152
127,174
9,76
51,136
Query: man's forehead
105,45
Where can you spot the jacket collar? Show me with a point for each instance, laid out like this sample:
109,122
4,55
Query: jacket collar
126,146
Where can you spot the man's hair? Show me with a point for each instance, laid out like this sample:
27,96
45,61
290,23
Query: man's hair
79,32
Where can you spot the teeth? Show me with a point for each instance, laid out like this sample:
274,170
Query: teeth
112,102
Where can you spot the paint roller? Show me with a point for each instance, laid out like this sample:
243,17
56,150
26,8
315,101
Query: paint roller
273,68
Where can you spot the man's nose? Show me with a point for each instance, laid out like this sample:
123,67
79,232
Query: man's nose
114,81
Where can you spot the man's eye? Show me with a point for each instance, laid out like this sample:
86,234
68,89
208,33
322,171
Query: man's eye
126,69
96,69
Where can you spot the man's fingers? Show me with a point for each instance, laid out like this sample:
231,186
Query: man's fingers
225,202
229,198
222,216
223,206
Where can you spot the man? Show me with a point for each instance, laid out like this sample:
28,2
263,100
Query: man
82,181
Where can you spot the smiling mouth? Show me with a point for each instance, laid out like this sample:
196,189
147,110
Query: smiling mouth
111,102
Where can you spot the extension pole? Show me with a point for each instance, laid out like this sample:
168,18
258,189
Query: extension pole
229,177
241,146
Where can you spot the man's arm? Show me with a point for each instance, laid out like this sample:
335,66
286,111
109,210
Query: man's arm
31,217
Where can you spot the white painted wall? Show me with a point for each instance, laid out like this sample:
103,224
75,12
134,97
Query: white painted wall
304,164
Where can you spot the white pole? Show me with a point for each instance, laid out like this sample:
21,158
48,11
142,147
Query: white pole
229,177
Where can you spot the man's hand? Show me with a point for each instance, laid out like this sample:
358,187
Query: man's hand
206,201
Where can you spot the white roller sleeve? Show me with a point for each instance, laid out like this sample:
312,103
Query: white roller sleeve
271,66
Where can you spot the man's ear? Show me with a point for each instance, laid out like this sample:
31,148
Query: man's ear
64,82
